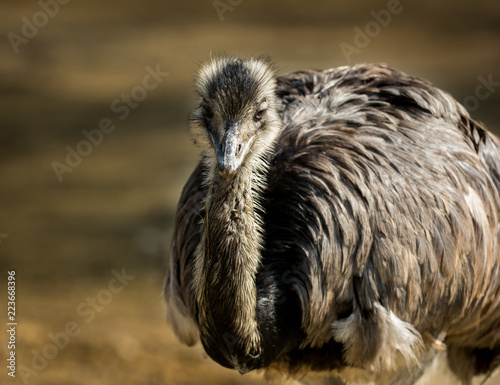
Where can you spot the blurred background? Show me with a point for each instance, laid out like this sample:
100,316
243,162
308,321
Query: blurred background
94,99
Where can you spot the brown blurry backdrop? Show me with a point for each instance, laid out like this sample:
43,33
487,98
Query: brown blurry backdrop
115,209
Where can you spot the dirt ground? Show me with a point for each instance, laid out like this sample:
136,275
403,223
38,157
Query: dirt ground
74,216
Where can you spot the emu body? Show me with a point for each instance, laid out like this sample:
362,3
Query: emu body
342,221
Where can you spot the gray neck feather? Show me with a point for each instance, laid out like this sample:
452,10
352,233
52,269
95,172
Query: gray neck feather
228,257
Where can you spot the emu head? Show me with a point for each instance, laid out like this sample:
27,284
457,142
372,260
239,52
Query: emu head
236,119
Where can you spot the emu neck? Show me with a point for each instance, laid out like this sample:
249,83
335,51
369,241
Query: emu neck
227,265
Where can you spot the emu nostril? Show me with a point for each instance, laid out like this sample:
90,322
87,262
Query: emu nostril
238,149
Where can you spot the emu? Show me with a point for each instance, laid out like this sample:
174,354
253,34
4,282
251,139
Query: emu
341,222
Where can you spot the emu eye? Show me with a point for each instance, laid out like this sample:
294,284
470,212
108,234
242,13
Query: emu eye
260,111
207,112
259,114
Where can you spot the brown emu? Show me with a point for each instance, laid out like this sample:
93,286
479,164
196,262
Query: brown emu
342,221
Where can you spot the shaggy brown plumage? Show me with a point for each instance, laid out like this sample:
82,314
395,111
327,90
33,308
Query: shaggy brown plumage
344,221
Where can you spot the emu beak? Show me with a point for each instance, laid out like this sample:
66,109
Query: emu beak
232,150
